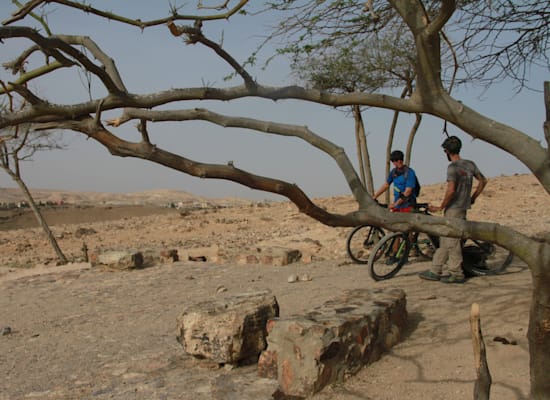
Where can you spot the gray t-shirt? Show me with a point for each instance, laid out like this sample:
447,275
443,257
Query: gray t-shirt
462,172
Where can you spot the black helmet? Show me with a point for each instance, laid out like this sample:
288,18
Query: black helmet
396,155
452,144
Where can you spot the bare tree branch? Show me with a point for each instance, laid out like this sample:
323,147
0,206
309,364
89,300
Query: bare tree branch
31,5
53,45
195,36
303,133
28,76
446,11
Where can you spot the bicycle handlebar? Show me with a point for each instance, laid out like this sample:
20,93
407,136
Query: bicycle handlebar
418,207
422,207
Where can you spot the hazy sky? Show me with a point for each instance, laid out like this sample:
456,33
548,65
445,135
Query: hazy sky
154,60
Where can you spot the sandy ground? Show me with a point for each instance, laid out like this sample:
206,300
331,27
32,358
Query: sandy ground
79,332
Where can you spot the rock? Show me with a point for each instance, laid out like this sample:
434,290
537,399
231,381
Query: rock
119,259
210,253
168,256
84,231
196,258
130,259
333,341
221,289
6,330
229,330
277,256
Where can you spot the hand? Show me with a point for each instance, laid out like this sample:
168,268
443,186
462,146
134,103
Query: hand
434,208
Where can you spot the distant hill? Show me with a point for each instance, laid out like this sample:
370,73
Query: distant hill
149,197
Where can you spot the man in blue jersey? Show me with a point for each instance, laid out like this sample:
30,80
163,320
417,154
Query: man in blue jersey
404,180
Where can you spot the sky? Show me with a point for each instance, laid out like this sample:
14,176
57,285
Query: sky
154,60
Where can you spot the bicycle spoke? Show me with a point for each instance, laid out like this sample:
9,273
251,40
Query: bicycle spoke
388,256
423,247
361,241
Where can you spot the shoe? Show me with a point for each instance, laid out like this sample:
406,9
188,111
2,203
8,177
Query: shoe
453,279
391,260
429,276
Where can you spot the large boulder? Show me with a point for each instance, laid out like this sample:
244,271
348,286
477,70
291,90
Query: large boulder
228,331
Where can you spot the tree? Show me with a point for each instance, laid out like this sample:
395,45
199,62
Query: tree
425,22
20,145
358,68
503,39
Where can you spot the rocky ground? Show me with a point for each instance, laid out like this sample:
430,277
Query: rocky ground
82,332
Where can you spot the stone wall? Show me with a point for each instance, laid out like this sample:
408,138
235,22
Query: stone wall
334,341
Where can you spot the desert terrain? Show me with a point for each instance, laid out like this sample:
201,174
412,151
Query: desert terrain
83,332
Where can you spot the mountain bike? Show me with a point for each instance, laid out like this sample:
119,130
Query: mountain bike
392,251
362,239
386,254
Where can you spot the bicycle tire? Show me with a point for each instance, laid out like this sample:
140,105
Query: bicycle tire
378,267
495,259
361,240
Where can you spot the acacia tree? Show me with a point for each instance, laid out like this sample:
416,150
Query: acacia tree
425,21
20,144
359,67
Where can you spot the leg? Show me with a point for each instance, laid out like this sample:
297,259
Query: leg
450,253
454,262
454,248
440,257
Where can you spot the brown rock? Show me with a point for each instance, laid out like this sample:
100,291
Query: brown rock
229,330
333,341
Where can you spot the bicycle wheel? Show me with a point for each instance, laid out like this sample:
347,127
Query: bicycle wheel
485,258
389,255
424,246
361,240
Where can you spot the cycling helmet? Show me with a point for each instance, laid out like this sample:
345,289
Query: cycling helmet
396,155
452,144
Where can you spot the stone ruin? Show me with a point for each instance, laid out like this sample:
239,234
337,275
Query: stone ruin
304,353
229,331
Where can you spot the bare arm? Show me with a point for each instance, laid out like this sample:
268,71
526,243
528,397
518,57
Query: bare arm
406,194
449,193
382,189
481,183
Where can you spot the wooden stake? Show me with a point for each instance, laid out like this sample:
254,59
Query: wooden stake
482,387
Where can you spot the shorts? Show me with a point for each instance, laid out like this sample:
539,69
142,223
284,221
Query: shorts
404,209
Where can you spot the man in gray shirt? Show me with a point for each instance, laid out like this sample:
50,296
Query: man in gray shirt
456,202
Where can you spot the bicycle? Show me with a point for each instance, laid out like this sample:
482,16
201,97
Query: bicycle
362,239
391,252
368,244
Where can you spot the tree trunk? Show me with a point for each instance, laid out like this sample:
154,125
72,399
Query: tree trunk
357,119
391,134
410,142
539,316
363,150
40,219
539,336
